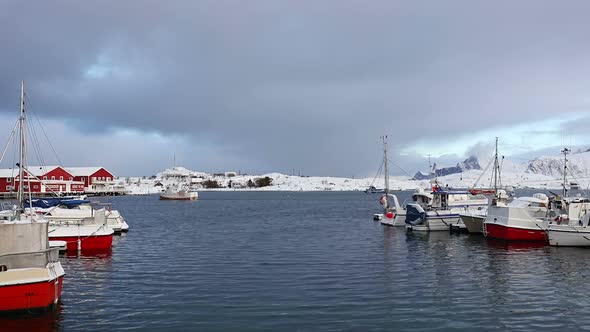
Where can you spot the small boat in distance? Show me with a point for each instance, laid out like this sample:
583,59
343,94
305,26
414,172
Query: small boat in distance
179,193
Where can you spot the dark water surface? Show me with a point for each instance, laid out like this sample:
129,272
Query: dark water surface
252,261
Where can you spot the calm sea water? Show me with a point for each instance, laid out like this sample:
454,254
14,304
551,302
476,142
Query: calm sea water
309,262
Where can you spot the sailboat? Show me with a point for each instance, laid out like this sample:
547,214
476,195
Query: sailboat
31,274
393,214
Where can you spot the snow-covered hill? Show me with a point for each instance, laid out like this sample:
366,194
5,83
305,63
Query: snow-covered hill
544,172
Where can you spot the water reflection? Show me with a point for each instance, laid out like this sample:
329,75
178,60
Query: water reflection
47,321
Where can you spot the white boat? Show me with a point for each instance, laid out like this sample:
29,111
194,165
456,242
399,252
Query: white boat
31,275
569,222
444,211
396,215
474,221
523,219
77,213
569,218
87,234
183,193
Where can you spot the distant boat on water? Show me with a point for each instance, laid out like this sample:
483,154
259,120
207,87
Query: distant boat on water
182,193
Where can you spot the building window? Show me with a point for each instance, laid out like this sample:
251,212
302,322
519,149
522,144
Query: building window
61,178
45,178
71,178
8,187
83,179
9,180
93,178
35,187
108,178
53,178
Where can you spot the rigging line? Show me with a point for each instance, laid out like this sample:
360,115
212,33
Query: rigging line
482,173
398,166
44,132
377,175
35,144
10,138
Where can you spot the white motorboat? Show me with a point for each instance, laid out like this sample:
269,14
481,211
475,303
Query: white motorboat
569,223
523,219
78,213
444,211
183,193
396,214
88,234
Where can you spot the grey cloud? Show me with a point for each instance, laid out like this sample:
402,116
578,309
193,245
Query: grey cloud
276,85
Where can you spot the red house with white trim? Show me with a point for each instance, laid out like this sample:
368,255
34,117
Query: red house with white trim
41,179
57,179
95,179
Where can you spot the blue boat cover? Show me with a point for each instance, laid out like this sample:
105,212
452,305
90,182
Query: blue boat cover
51,202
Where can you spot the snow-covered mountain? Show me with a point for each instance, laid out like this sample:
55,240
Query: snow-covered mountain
466,165
578,165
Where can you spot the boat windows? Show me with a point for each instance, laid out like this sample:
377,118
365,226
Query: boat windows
3,268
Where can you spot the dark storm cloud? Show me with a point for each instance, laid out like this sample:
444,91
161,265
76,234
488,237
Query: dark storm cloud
277,85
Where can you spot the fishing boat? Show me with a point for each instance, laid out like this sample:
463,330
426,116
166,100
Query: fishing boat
444,211
31,274
182,193
569,217
474,221
570,224
523,219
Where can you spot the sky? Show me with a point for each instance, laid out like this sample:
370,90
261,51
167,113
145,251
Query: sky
294,86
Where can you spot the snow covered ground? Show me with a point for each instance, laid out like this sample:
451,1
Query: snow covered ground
541,173
282,182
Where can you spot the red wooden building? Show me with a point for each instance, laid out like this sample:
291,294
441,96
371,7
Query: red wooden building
46,179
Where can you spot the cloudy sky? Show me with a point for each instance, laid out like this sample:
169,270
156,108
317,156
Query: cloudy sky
277,85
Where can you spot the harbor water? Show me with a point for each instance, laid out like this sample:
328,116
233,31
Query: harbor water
309,261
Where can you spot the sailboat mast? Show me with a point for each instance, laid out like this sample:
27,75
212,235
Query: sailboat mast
21,159
565,152
496,169
386,165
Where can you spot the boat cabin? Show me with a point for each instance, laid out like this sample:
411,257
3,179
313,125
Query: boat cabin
451,199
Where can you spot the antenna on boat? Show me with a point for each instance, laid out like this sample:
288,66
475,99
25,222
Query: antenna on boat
565,152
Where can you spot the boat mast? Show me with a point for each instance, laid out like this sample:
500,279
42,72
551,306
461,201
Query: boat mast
20,194
496,169
386,165
565,152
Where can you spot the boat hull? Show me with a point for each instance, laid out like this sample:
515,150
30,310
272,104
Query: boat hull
30,296
94,243
473,223
568,236
502,232
177,198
